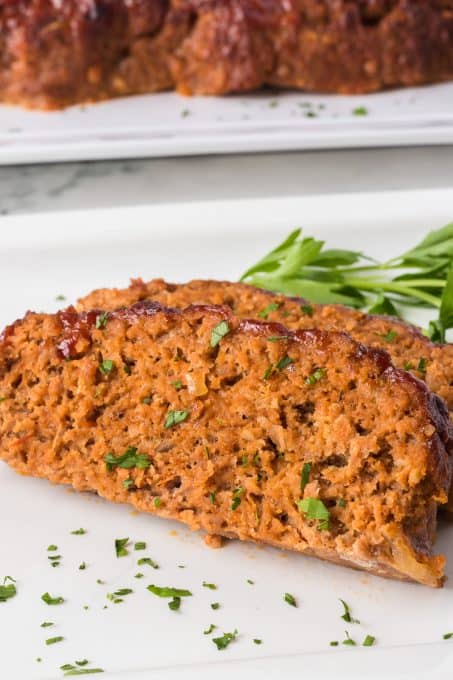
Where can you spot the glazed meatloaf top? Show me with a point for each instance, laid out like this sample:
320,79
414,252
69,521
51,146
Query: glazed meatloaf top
306,440
408,348
53,54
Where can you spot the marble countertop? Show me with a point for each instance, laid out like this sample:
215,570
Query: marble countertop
37,188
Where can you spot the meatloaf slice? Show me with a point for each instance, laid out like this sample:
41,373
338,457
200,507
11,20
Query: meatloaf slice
408,348
305,440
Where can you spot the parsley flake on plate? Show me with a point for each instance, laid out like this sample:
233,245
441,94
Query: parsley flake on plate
211,586
215,605
225,640
7,590
447,636
348,640
120,547
149,561
48,599
290,599
47,624
78,532
106,366
209,630
346,616
54,640
140,545
257,641
166,591
219,332
52,548
175,603
369,641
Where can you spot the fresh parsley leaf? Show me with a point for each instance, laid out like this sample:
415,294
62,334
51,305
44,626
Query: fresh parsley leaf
290,599
149,561
174,418
383,305
313,508
48,599
346,616
369,641
7,591
107,366
215,605
257,641
52,548
211,586
53,640
284,362
79,532
237,494
165,591
360,111
225,640
219,332
120,547
129,459
305,476
209,630
47,624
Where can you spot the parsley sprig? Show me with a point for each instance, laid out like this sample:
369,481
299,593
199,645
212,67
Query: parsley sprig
422,276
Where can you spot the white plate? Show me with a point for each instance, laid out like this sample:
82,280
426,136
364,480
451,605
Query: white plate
46,255
168,125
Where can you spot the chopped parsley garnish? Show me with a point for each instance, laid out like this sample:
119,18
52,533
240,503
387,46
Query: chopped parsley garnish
53,640
209,630
148,560
341,503
120,547
212,496
315,509
146,400
333,643
139,575
82,566
316,376
305,476
129,459
100,581
121,592
422,365
157,502
60,297
267,310
79,668
360,111
127,483
106,366
224,641
52,548
7,591
174,418
48,599
177,384
215,605
284,362
79,532
348,640
408,365
211,586
219,332
290,599
237,493
257,641
346,616
127,369
101,320
249,580
175,603
390,336
47,624
447,636
277,338
268,372
140,545
369,641
165,591
307,309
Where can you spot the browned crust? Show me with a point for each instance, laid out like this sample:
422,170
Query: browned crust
72,335
56,54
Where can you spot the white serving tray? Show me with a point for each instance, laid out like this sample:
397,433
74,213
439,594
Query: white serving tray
45,255
169,125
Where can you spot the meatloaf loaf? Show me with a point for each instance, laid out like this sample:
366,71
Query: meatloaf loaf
54,53
305,440
408,348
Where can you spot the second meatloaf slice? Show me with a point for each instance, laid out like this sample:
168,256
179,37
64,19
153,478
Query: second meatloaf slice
308,441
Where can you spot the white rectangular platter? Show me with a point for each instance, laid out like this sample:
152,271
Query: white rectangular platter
69,253
169,125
